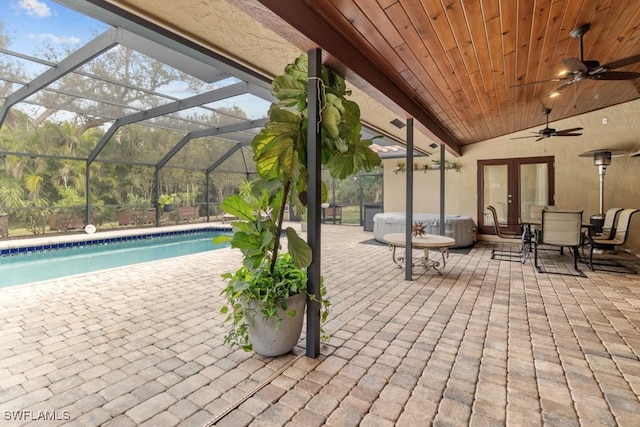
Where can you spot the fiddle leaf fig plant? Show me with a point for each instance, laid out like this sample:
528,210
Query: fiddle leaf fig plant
280,155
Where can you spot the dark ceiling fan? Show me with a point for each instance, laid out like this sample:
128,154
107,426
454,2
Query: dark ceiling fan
548,132
578,69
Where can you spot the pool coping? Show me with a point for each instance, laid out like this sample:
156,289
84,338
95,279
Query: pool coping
12,247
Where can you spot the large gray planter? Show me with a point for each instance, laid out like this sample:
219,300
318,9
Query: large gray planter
267,341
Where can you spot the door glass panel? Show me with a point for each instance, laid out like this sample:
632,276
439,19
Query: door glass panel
496,192
534,191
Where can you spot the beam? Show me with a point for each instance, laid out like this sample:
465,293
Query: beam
95,47
118,17
209,132
94,77
172,58
172,107
224,157
314,26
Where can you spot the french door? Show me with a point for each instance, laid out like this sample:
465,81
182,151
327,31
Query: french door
517,188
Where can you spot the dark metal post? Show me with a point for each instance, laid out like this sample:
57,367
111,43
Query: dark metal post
314,188
87,186
442,171
382,191
408,259
333,199
156,192
207,183
361,179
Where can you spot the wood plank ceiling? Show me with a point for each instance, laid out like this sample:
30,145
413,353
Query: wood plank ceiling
459,60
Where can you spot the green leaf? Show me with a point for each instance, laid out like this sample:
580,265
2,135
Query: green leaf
274,146
341,166
299,249
287,87
223,238
267,239
330,119
243,240
245,227
279,116
253,262
351,118
372,158
237,206
335,82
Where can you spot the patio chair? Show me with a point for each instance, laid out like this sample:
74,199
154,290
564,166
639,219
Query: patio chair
609,226
535,212
510,237
619,238
560,229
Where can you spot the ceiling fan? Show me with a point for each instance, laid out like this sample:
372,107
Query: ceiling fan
578,69
548,132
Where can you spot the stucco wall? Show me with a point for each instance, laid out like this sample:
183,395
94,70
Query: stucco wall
576,178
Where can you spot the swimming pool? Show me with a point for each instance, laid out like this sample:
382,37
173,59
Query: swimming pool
33,263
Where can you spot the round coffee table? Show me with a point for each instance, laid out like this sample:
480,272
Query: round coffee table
425,242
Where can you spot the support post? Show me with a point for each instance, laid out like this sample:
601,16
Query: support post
314,188
408,259
442,171
208,183
361,179
156,194
333,199
87,187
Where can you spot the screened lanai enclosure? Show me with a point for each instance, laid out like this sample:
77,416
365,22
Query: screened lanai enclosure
131,128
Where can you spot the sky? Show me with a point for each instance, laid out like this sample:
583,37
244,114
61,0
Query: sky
33,24
30,23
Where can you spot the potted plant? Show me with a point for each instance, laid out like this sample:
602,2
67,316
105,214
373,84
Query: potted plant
447,165
166,202
261,289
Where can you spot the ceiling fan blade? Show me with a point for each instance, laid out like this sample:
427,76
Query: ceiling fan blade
569,130
522,137
574,65
562,86
541,138
567,134
538,82
618,63
615,75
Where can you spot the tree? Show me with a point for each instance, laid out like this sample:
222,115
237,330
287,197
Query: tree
94,99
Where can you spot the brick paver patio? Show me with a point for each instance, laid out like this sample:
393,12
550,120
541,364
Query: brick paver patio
486,343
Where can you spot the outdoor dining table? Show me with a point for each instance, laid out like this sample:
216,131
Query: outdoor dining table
528,227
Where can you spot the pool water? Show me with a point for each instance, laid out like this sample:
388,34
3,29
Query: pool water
49,264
